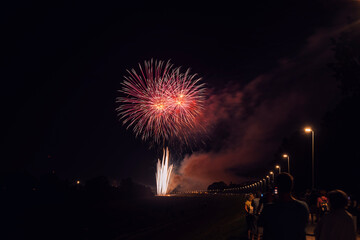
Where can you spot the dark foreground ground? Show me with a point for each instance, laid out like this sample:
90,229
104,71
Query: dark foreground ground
176,217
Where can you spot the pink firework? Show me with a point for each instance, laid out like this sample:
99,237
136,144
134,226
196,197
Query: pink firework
161,103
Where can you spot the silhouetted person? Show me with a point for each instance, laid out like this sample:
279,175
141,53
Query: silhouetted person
353,209
256,206
321,204
307,196
287,217
267,198
312,203
338,224
249,212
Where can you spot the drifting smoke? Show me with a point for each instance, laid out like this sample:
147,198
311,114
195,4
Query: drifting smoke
163,174
254,119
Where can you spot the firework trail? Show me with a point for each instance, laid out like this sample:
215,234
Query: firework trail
161,103
163,174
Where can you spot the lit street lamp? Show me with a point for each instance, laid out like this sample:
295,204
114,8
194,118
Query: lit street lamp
308,130
264,184
288,158
272,177
278,167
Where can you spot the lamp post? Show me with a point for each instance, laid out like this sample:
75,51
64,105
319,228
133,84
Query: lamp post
308,130
278,167
264,184
288,158
272,178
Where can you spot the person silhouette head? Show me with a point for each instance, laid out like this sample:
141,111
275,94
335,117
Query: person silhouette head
284,184
337,200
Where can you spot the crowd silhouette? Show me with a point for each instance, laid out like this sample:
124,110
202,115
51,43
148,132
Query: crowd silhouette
277,216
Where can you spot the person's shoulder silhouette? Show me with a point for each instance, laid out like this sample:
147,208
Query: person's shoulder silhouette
287,217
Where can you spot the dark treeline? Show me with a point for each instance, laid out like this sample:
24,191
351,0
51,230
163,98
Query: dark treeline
51,208
222,186
15,185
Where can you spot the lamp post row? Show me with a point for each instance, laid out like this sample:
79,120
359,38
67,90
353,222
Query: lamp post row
307,130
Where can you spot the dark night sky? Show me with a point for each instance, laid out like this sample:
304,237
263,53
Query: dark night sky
63,64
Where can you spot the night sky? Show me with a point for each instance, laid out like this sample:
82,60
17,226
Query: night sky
264,64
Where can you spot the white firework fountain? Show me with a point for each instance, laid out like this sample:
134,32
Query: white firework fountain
163,174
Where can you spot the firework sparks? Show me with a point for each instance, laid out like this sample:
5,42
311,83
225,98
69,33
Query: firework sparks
161,102
163,174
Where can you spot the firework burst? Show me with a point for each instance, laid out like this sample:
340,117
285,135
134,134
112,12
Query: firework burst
163,174
161,102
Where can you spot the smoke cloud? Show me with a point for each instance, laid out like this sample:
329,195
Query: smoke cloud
249,122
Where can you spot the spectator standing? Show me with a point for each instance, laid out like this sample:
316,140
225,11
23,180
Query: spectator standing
249,211
321,204
353,209
267,198
287,217
338,224
256,206
306,196
312,202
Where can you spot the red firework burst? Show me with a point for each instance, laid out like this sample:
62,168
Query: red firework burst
160,102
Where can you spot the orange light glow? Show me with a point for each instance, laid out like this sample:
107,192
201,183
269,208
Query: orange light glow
285,155
308,130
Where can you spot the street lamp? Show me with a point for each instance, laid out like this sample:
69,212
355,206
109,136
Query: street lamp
272,177
278,167
308,130
261,185
288,158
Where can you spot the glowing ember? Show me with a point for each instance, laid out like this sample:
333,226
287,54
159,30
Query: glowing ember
163,174
162,103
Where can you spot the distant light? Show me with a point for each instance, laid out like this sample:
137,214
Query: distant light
277,166
285,155
271,172
77,182
308,130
